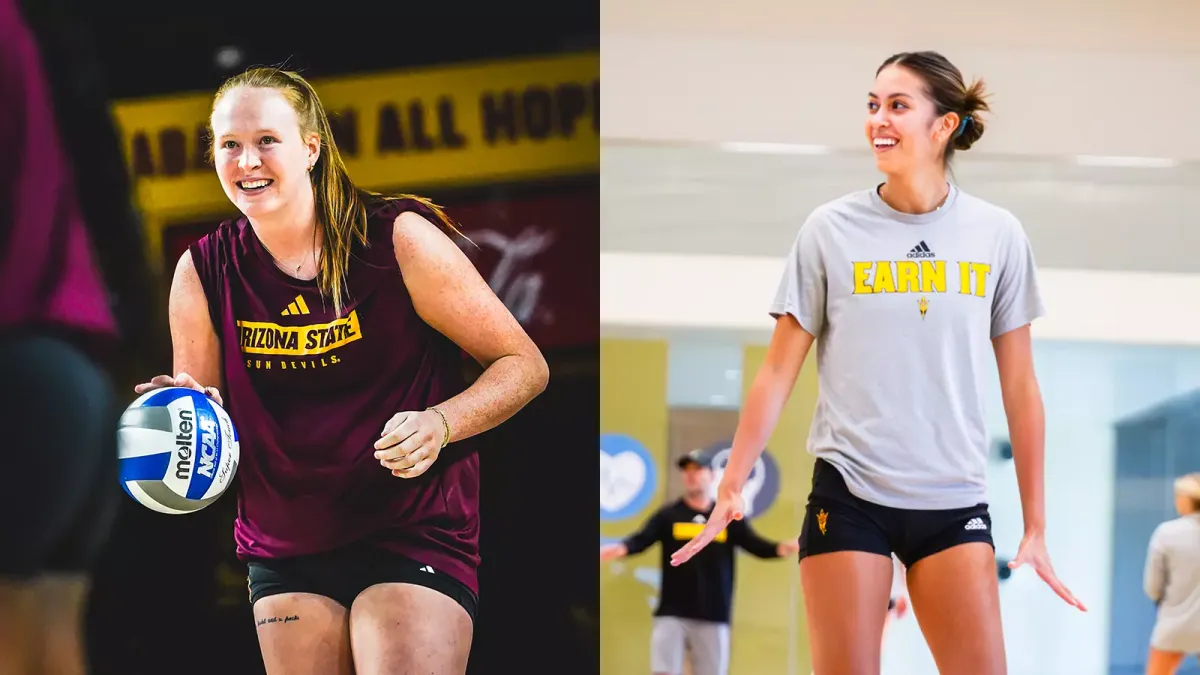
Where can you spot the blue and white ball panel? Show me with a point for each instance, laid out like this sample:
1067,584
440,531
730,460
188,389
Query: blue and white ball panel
178,450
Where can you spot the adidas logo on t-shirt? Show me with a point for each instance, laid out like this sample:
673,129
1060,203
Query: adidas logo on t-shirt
975,524
921,250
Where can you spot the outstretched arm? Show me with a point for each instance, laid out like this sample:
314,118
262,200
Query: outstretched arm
772,386
1026,423
744,535
799,311
635,543
1027,429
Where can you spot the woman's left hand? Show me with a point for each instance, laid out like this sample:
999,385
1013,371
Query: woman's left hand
1033,552
410,443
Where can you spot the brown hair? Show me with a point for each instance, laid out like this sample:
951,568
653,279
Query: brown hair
341,206
945,86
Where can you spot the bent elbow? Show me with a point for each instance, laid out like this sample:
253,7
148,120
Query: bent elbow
540,377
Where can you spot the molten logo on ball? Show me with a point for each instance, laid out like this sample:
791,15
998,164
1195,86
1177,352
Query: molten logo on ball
178,450
183,439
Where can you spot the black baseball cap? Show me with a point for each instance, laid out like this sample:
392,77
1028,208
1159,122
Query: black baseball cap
694,457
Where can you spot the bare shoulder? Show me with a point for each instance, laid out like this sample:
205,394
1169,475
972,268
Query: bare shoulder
416,239
215,250
449,294
194,339
187,291
185,271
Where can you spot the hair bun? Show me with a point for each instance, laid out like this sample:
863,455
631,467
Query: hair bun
972,125
946,88
970,130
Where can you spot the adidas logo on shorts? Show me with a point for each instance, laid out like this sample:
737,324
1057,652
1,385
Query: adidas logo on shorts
975,524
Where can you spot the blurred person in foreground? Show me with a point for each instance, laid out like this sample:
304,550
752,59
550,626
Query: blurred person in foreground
1172,581
696,600
65,305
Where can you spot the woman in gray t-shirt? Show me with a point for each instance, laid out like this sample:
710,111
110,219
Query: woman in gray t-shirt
912,293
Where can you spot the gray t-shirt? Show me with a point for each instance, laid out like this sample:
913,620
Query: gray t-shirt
1172,581
904,308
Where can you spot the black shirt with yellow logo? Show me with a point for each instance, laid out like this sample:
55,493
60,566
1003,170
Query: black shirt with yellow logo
701,588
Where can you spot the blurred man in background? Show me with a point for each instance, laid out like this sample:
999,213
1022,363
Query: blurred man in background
696,598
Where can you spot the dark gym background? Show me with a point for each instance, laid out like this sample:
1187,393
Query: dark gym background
169,596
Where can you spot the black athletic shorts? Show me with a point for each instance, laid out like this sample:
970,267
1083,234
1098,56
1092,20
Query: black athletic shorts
342,574
59,491
836,520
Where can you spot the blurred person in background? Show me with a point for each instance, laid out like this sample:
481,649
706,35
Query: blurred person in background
1172,581
696,600
898,603
359,525
899,432
70,317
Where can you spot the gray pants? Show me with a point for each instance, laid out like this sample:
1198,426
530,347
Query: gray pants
706,641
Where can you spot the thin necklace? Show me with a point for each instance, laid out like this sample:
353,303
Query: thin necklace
276,260
879,191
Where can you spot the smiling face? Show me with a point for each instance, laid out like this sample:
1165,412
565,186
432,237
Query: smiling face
903,126
261,154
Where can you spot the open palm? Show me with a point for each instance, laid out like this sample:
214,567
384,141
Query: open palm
727,510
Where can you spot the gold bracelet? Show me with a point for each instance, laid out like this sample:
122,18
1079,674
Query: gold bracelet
445,425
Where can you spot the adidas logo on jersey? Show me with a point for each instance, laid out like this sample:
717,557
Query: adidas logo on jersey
427,568
976,524
698,519
921,250
296,308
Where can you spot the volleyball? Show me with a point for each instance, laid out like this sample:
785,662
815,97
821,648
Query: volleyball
178,450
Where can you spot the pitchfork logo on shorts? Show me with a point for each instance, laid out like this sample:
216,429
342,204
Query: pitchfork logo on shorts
761,488
627,477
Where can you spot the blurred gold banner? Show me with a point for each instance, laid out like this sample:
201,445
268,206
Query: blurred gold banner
465,124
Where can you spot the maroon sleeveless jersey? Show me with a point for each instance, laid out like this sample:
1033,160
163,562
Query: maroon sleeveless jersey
48,276
309,393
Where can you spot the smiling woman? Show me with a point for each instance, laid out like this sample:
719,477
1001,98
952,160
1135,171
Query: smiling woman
922,79
272,182
898,431
334,320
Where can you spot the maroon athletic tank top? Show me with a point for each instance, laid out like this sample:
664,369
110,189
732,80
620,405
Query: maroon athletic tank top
309,393
48,276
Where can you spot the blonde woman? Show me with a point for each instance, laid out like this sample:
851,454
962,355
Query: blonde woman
334,321
1172,581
